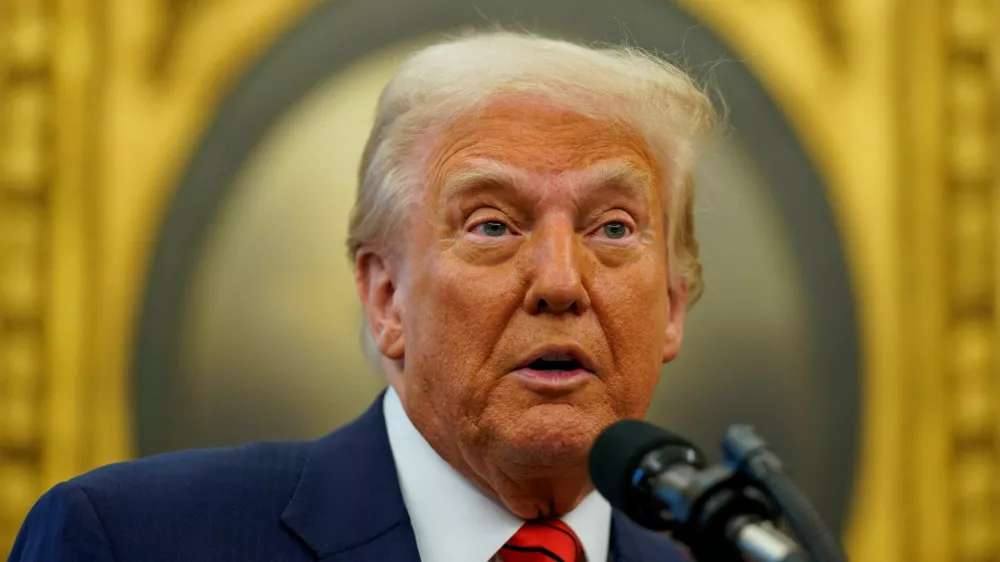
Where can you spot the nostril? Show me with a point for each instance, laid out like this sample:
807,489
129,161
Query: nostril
544,306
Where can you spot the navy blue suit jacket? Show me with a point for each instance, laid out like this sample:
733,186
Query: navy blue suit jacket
333,499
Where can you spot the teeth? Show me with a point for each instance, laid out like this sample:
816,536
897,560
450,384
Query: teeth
557,358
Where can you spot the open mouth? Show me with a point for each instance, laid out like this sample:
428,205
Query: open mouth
556,370
555,364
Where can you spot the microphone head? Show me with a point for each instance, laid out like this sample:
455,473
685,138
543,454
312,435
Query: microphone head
617,456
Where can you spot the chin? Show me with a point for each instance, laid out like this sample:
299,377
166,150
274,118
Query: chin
550,451
550,439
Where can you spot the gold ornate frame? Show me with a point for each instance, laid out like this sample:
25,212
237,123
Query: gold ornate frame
897,101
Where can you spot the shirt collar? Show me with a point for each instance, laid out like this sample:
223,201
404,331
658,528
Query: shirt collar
452,519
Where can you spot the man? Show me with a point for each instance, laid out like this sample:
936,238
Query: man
524,253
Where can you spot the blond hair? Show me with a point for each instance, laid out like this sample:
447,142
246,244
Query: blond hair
441,83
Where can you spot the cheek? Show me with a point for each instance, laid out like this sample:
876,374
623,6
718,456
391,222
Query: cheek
456,315
632,305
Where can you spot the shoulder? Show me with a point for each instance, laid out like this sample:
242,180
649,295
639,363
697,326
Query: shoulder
187,487
211,505
178,502
257,471
62,526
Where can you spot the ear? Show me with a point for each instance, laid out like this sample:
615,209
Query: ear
375,279
675,322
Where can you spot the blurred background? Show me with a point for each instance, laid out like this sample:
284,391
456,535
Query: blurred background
176,177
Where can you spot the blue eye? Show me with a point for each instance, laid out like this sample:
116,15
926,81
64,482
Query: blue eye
615,230
492,228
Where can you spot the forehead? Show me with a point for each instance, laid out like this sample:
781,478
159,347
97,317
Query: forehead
538,137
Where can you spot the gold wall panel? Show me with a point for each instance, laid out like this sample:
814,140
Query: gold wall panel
897,101
950,100
26,189
97,100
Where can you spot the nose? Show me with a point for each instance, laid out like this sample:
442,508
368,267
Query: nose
557,262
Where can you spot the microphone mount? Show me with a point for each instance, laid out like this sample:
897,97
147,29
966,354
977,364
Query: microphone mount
713,510
735,511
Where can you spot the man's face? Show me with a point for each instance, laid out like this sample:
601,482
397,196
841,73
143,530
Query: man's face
533,289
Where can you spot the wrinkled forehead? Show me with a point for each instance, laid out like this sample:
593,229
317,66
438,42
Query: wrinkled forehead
540,140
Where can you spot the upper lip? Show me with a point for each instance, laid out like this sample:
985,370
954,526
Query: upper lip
573,351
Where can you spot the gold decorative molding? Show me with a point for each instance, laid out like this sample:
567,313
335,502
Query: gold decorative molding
904,125
950,98
970,178
26,123
827,18
173,16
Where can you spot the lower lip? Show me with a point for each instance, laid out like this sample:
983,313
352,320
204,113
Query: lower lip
562,381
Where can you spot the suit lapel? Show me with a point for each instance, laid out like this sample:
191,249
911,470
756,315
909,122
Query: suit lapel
632,543
347,505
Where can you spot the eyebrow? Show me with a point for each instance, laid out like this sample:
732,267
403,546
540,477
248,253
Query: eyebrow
621,175
485,175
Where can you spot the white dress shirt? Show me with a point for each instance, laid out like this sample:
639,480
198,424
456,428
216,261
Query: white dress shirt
453,521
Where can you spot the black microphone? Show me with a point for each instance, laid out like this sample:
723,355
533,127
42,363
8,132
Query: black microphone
661,482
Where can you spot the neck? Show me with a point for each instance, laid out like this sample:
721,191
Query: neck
531,493
527,491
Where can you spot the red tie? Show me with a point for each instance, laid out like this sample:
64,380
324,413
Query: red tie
543,541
